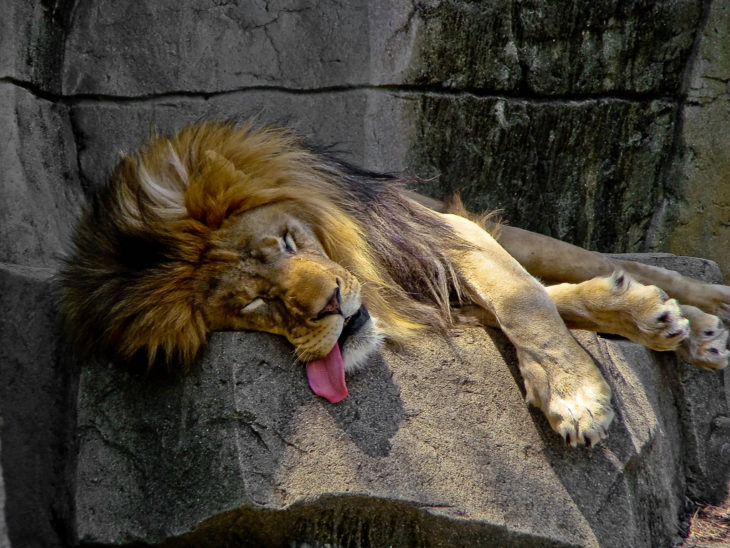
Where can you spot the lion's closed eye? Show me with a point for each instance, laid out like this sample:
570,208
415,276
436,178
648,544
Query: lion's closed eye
289,245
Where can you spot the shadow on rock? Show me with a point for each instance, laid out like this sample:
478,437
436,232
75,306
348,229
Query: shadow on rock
373,411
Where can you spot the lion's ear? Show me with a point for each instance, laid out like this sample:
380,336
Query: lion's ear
214,191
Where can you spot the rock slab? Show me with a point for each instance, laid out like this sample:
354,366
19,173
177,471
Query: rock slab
433,447
37,406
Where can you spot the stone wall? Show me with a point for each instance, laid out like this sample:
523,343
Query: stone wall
699,221
604,123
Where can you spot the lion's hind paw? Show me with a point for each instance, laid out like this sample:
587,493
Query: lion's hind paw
642,313
659,320
706,346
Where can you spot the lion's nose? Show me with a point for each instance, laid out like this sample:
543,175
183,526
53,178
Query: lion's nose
332,306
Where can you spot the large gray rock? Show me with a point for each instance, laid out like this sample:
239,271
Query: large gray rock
37,406
434,446
4,541
135,48
548,48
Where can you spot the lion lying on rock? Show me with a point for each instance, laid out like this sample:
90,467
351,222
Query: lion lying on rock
224,227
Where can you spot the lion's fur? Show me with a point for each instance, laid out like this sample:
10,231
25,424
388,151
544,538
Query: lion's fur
134,280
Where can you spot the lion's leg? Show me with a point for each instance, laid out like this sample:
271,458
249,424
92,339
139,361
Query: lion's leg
554,261
712,298
551,260
644,314
560,377
618,305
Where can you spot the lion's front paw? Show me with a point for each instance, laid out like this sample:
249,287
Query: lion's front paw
706,346
577,404
582,417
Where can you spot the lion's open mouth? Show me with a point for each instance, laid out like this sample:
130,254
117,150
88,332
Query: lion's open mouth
326,376
354,323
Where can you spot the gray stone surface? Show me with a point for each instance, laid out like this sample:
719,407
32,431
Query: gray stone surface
40,194
4,541
435,437
32,38
533,47
706,422
287,43
565,169
698,213
37,410
554,48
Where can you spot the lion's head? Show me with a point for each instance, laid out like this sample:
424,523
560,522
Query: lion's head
267,271
223,227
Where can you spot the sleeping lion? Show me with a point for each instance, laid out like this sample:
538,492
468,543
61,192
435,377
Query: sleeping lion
224,227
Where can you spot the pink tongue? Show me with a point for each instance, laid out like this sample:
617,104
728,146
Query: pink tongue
327,376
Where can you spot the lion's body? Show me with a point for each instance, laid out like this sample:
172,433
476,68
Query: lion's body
228,228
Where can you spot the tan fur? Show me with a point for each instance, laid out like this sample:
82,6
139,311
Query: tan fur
184,192
225,227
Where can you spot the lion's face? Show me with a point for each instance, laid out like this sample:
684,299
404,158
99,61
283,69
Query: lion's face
267,271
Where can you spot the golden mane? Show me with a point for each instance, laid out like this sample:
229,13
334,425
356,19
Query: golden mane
133,279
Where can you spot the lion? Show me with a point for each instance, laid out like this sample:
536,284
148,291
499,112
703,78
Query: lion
229,227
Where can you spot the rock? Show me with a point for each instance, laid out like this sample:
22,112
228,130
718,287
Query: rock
705,421
40,194
553,48
697,217
37,406
135,48
4,541
32,49
565,169
104,131
434,445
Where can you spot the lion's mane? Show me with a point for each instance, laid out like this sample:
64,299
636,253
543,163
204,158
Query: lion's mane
133,279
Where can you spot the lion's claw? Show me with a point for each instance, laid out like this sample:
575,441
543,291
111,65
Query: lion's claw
582,418
663,327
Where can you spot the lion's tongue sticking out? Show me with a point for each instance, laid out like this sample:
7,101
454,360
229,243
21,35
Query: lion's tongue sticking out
327,376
